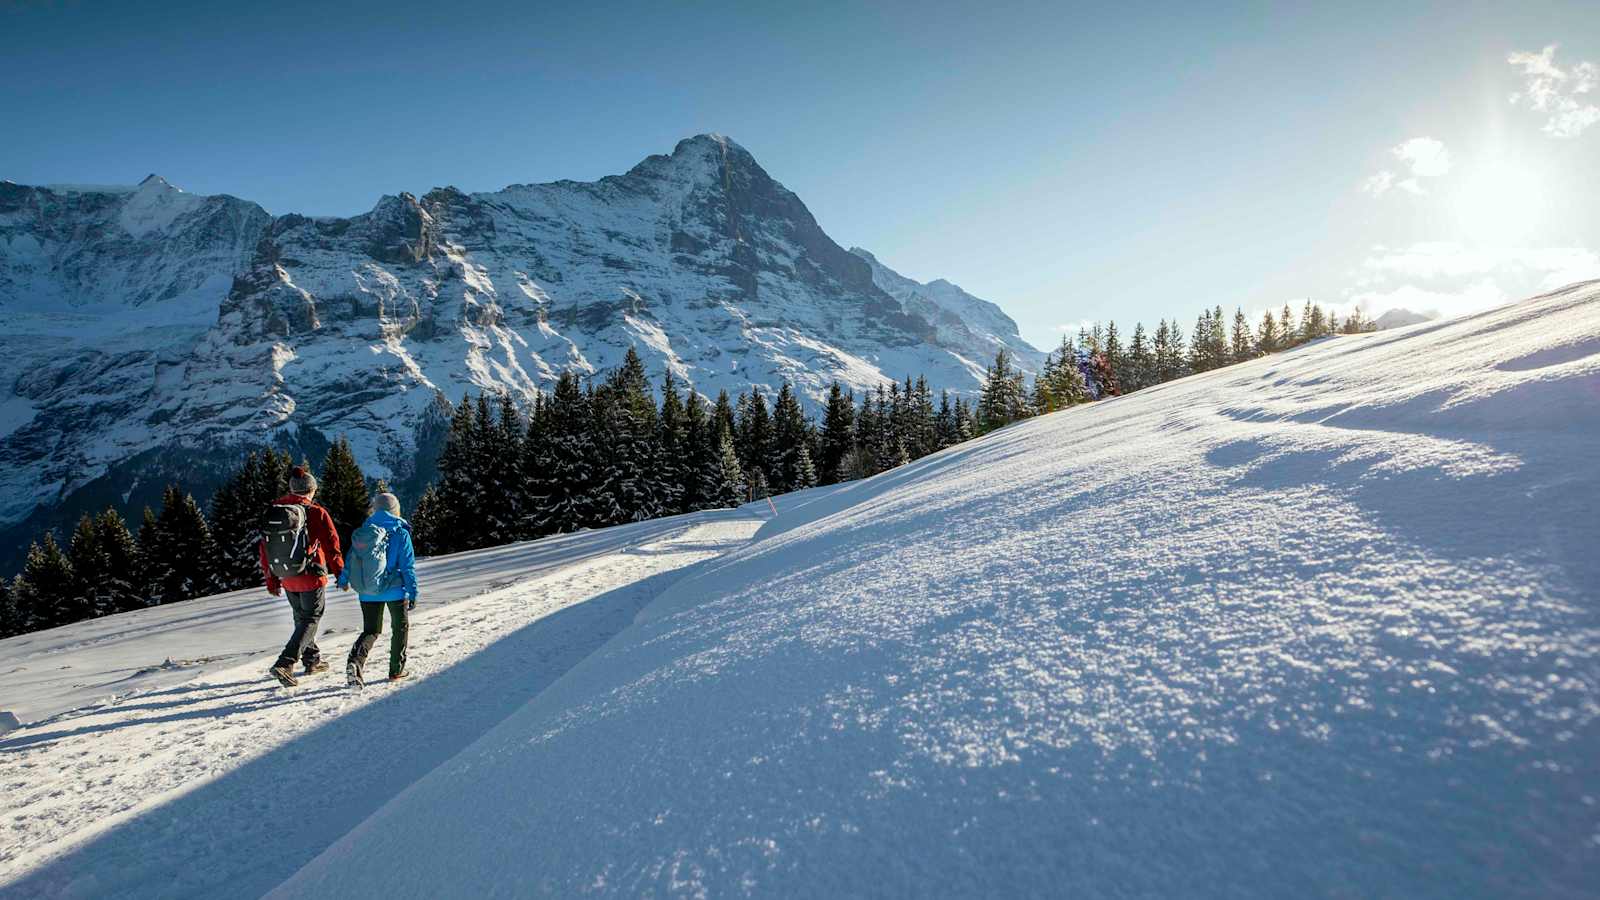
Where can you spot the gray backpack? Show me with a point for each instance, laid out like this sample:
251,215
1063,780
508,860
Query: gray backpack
283,529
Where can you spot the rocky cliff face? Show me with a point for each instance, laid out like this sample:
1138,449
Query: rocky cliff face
151,333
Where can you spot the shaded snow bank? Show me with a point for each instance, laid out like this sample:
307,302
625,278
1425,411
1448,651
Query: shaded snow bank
1322,623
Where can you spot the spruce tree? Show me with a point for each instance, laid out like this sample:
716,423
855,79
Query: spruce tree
154,560
788,443
999,403
563,488
236,510
185,550
49,587
1113,347
11,620
699,455
534,458
459,490
838,433
753,435
629,487
121,554
1241,348
1267,337
675,449
91,565
342,489
425,523
924,430
1140,366
727,486
944,421
503,489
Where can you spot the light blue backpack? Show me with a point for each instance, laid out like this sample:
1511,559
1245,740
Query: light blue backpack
366,565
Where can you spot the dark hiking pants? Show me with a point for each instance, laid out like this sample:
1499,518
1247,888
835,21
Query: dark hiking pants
372,626
302,646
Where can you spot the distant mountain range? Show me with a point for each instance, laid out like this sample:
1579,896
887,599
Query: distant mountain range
1399,318
151,334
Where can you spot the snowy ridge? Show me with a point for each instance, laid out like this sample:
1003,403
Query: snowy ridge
1325,622
153,332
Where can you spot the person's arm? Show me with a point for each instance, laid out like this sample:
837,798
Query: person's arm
330,539
272,580
405,562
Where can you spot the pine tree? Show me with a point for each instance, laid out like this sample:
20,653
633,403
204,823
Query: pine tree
924,433
758,485
966,421
1241,348
49,588
1002,400
531,464
789,442
563,489
1288,334
1113,348
724,486
944,422
838,433
236,510
121,554
699,455
182,557
425,523
459,489
1139,370
91,565
675,449
11,619
153,558
1267,336
504,494
753,435
629,486
342,489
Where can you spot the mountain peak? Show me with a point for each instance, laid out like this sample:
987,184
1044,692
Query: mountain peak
156,181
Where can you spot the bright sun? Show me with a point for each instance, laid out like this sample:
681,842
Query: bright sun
1500,201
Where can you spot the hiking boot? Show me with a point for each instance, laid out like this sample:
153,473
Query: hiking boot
284,675
399,676
320,665
352,676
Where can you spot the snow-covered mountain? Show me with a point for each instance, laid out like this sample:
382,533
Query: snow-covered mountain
1400,318
149,332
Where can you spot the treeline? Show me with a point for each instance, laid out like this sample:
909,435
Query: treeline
180,553
607,453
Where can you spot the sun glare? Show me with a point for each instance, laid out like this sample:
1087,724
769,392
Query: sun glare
1500,201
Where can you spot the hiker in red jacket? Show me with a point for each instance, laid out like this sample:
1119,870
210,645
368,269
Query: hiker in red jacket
299,550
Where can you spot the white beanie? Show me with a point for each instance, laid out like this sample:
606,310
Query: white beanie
386,502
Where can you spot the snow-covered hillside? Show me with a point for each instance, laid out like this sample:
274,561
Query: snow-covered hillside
1326,623
151,332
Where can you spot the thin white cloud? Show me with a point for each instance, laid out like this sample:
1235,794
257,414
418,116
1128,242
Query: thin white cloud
1378,184
1475,297
1559,93
1422,157
1427,157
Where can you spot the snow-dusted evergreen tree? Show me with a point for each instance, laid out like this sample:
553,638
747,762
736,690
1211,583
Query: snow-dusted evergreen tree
505,494
724,485
342,489
1060,383
1113,350
628,486
758,485
184,549
789,443
838,433
1288,333
1267,335
424,521
1002,400
118,584
236,511
91,565
924,432
966,421
1242,347
944,422
1311,322
1139,370
753,435
460,490
11,618
562,489
675,448
47,588
869,434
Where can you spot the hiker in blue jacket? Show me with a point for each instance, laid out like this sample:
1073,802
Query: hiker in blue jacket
381,567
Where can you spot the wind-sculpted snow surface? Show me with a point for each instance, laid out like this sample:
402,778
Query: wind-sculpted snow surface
1326,623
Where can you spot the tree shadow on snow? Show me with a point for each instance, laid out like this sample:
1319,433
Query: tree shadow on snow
247,831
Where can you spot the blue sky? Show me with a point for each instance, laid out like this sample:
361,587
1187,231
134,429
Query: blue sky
1067,163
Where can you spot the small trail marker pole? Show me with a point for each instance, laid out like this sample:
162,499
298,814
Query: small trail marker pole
773,505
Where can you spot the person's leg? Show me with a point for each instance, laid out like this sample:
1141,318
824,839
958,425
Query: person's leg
297,638
397,639
313,602
371,627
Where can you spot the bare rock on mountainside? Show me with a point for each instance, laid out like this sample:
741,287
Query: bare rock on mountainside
152,333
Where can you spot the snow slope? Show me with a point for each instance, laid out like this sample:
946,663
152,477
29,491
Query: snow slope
1324,623
212,781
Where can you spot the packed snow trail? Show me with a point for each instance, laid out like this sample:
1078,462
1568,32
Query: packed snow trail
225,785
47,673
1325,623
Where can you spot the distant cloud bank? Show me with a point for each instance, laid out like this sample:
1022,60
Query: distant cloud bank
1423,157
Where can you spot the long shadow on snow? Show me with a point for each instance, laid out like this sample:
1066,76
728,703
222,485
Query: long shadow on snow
246,832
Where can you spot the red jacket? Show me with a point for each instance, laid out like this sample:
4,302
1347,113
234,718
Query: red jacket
324,549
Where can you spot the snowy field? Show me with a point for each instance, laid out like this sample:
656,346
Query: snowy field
1326,623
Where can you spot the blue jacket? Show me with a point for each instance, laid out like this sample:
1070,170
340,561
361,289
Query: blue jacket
400,566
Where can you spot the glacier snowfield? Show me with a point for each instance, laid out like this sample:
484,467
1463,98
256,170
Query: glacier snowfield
1325,623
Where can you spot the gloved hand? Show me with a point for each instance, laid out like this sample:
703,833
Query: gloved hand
276,592
344,587
411,604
